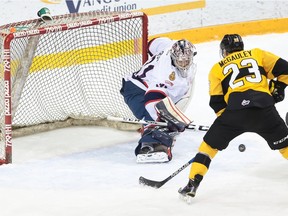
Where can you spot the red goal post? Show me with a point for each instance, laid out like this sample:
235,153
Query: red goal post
67,71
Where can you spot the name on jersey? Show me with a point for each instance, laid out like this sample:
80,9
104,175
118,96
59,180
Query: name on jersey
235,56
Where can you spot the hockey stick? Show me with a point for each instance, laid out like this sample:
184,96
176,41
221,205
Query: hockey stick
286,119
158,184
138,121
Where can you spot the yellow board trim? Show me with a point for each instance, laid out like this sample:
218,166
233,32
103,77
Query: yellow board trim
174,8
211,33
52,1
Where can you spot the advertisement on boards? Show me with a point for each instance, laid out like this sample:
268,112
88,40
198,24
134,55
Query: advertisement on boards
155,9
75,6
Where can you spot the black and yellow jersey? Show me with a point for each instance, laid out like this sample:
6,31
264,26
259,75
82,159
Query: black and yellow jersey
240,80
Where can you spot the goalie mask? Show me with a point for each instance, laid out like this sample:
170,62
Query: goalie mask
182,54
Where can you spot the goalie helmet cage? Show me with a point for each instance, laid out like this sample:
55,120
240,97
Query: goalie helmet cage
67,69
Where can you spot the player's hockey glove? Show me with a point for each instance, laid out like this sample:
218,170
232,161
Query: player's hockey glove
277,89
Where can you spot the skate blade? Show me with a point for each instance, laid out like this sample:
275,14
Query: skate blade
186,198
156,157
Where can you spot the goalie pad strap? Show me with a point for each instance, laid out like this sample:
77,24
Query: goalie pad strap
163,137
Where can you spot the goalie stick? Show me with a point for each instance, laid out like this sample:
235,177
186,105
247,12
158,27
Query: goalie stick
158,184
138,121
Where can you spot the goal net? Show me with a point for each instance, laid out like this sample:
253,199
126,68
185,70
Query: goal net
66,71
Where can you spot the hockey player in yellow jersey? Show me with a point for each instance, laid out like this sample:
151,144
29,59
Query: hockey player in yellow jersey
244,87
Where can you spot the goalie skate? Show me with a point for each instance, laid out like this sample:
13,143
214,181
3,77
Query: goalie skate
154,157
154,153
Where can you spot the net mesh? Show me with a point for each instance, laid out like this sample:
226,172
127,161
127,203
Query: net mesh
70,74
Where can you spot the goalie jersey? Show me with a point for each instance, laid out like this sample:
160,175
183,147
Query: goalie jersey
240,80
159,78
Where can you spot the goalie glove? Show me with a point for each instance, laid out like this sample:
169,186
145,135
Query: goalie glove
167,111
277,89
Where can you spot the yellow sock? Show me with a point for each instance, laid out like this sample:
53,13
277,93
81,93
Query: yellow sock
202,160
284,152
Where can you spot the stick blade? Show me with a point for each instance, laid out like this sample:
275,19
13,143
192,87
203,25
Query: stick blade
150,183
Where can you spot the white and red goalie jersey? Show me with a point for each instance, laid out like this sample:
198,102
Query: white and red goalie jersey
160,79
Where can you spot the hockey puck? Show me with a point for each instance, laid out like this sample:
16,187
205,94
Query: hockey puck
242,147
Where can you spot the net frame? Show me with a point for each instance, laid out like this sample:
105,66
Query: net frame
37,27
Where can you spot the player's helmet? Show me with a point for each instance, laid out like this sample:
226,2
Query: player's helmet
231,43
182,54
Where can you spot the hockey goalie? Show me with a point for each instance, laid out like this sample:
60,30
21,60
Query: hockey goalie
161,91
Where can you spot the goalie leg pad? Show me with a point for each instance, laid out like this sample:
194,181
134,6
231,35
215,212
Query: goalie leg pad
167,111
155,145
163,137
156,135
